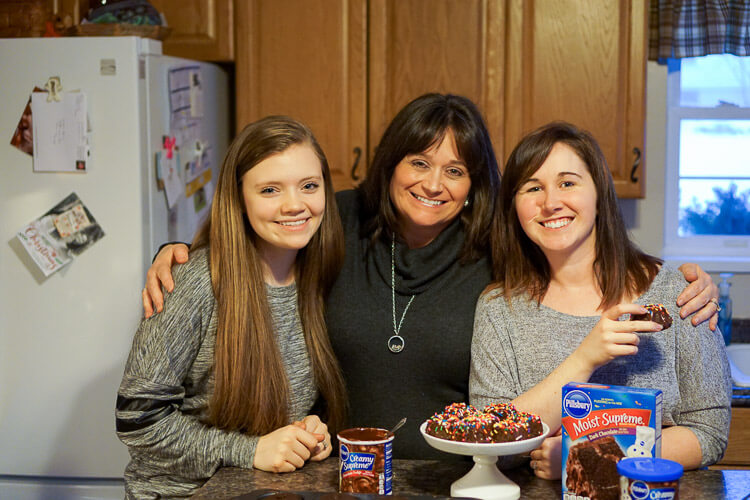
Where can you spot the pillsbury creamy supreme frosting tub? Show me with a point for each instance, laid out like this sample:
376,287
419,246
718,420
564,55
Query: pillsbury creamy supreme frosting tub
649,479
365,456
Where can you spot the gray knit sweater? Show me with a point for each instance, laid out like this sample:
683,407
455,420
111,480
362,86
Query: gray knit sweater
514,348
168,383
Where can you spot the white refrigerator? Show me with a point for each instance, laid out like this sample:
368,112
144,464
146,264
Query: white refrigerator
64,338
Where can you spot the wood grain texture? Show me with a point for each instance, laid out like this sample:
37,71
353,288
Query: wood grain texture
582,62
201,29
420,46
306,59
738,450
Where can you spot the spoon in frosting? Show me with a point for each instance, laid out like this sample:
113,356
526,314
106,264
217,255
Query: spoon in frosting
397,426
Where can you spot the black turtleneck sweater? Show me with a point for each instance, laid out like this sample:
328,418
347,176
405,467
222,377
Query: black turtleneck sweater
432,371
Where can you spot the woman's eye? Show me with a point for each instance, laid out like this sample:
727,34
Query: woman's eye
311,186
455,172
419,163
267,190
568,184
533,189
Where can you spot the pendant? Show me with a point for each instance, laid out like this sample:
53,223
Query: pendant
396,344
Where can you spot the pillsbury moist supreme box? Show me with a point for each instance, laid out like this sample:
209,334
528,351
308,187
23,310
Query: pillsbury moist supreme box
600,425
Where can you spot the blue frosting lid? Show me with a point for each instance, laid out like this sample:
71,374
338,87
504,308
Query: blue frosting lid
649,469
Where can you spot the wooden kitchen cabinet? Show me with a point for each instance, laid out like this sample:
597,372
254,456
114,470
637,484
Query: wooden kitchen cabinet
738,450
582,62
307,59
346,68
447,46
201,29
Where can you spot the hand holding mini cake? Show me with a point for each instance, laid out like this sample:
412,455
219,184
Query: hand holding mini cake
656,313
497,423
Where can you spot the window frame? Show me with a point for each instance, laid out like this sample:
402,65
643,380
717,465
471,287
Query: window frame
714,253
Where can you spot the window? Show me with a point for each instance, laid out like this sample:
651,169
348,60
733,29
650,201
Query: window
707,204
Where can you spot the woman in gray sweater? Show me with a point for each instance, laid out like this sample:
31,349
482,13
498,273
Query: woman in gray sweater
228,373
565,272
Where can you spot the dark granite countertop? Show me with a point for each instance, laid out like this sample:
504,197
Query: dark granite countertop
434,478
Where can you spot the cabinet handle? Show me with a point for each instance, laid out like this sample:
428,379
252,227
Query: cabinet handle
357,151
636,162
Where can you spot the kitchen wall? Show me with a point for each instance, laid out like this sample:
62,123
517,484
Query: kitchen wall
645,218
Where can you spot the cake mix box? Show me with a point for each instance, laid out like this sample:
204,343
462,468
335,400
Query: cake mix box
600,425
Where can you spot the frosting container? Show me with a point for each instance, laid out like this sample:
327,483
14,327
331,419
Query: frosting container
365,456
649,478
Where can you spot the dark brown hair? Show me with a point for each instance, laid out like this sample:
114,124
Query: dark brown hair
252,390
520,266
418,126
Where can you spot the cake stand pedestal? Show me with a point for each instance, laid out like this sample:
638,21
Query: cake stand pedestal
484,480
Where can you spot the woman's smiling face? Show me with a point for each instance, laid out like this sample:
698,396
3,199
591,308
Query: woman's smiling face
428,190
285,199
556,207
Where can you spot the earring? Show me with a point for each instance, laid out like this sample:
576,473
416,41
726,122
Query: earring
466,202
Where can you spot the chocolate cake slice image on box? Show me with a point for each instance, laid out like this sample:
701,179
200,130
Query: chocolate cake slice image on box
591,469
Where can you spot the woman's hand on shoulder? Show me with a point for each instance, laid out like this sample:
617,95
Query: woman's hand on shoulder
611,338
697,296
160,273
286,449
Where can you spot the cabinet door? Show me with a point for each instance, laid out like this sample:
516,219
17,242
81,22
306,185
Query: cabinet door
738,449
445,46
582,62
201,29
306,59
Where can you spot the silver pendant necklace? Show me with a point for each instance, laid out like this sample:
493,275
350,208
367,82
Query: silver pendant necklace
396,342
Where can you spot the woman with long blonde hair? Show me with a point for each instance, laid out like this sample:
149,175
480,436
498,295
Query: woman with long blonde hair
228,375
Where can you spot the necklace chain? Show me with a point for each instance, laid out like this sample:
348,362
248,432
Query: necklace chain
396,342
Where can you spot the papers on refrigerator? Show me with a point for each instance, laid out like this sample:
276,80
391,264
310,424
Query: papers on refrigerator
23,136
169,172
60,132
65,231
185,104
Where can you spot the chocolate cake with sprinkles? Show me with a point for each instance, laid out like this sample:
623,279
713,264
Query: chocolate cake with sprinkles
498,423
656,313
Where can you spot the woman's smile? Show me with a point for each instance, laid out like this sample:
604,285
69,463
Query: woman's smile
427,201
428,190
556,206
557,223
294,225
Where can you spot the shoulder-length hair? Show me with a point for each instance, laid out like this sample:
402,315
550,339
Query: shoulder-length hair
251,392
520,266
420,125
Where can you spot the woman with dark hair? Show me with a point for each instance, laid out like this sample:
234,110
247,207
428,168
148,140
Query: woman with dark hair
228,373
565,272
417,232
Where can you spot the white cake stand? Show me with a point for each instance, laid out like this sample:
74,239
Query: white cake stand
485,480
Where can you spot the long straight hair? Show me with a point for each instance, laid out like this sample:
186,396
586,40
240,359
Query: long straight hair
251,391
420,125
520,266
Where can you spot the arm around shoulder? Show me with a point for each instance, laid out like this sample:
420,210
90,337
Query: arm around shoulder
160,274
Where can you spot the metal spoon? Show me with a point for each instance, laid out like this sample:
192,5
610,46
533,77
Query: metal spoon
398,426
